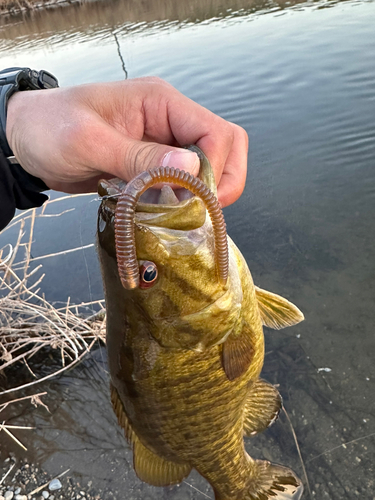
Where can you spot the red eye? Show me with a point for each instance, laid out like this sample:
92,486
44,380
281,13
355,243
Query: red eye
148,274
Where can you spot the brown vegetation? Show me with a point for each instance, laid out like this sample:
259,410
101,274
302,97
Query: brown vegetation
29,323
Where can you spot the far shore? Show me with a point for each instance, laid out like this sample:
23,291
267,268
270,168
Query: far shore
11,7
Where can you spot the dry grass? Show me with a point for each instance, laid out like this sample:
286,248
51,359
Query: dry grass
28,322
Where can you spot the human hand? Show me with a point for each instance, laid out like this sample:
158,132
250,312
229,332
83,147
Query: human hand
71,137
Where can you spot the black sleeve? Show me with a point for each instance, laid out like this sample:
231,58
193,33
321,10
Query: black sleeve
18,189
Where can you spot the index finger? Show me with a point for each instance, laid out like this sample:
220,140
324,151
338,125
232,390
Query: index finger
224,143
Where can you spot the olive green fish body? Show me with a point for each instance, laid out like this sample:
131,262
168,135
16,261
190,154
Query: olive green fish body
185,357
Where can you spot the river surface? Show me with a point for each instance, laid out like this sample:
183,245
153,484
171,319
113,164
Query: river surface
300,78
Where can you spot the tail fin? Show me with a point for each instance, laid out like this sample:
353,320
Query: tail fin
269,481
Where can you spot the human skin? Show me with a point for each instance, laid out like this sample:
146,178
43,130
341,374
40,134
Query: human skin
71,137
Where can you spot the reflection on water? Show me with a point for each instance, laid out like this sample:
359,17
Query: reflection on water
101,19
301,81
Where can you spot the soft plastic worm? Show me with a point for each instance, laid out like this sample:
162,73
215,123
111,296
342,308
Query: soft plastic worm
124,220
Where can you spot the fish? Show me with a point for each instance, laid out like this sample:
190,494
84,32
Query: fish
185,337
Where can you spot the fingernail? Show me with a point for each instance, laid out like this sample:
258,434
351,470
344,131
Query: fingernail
182,159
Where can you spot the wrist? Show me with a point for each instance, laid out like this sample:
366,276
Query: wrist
15,110
14,80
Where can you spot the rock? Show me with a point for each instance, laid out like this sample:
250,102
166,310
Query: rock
17,491
20,497
8,495
45,494
1,497
54,485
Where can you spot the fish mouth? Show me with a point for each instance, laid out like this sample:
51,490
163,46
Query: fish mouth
165,207
165,196
171,209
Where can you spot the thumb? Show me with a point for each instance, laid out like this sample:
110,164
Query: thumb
140,156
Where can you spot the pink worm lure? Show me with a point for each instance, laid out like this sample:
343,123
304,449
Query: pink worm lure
125,227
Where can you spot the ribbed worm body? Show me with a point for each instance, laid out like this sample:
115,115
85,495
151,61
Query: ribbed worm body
124,220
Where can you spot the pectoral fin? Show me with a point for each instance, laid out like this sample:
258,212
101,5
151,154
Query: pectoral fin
149,467
275,311
237,354
262,407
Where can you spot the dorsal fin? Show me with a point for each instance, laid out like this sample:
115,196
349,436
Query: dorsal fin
122,418
275,311
155,470
148,466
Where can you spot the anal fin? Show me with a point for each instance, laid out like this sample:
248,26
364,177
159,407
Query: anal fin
262,407
148,466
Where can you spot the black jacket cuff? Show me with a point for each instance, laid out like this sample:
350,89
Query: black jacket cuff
18,189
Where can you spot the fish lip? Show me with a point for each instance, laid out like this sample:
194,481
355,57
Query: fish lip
111,195
186,214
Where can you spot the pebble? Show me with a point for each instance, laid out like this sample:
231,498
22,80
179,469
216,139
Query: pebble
27,478
54,485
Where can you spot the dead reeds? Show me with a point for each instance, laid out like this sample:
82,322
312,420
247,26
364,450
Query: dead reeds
29,323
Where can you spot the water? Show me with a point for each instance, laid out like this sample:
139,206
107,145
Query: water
300,78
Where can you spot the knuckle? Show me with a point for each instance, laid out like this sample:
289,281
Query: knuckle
156,82
240,133
140,158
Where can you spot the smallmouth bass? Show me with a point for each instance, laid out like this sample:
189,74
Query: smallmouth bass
185,339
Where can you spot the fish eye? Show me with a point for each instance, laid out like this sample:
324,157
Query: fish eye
148,273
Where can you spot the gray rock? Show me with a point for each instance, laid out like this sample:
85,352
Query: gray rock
17,491
1,497
20,497
45,494
54,485
8,495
